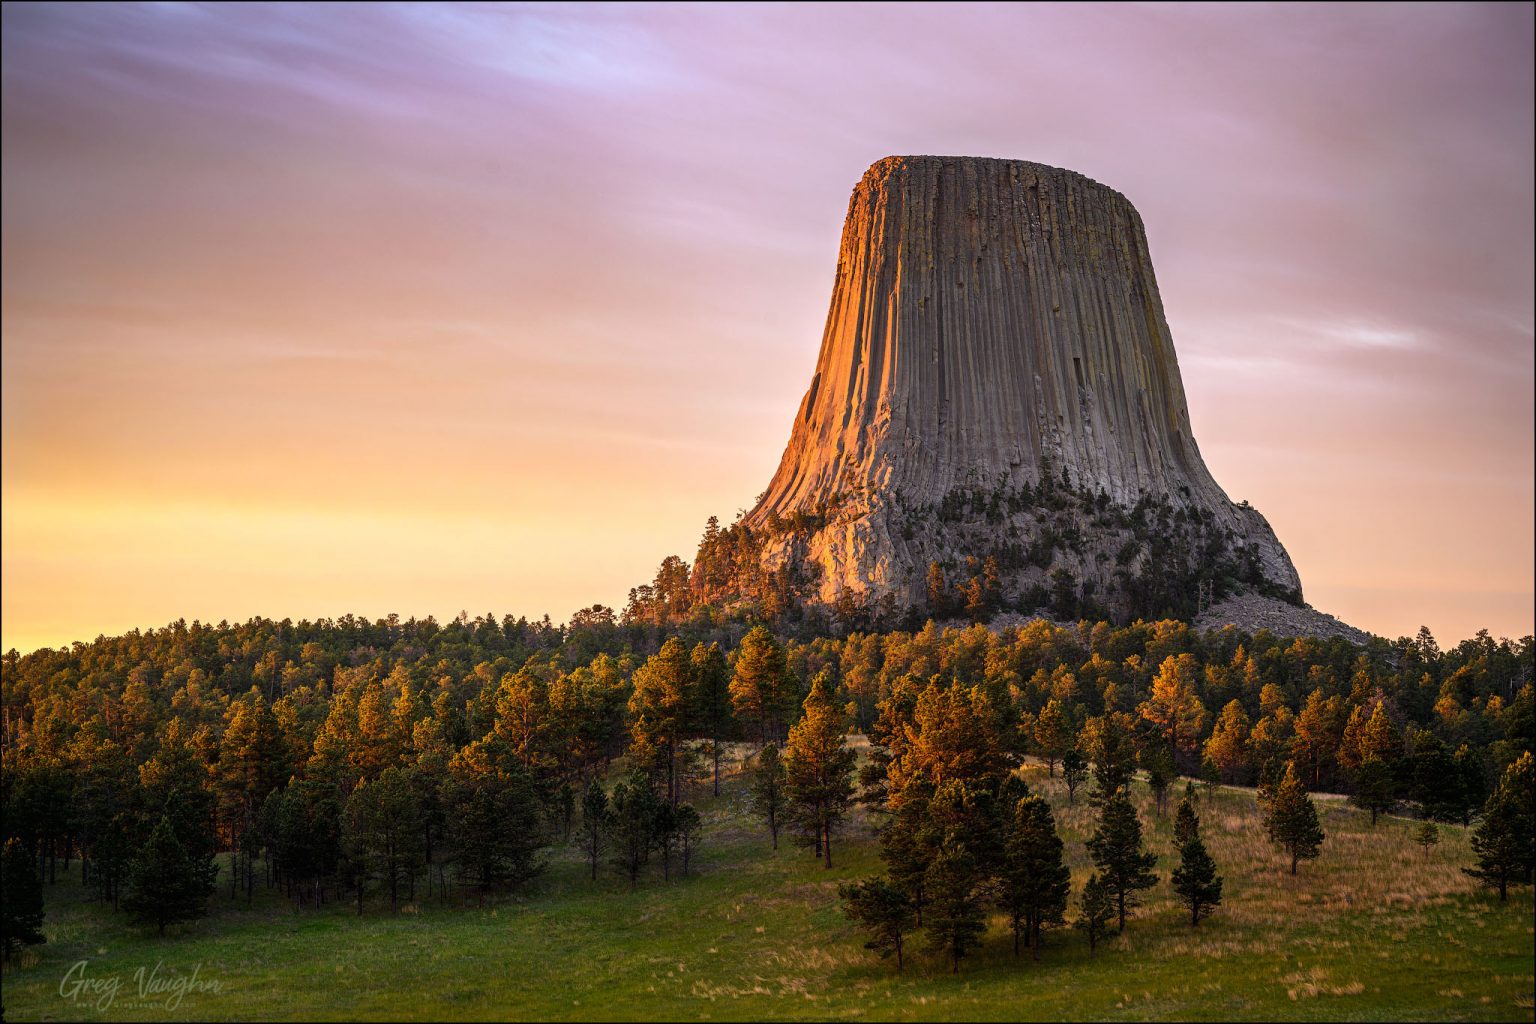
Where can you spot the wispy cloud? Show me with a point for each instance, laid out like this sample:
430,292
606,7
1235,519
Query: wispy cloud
463,250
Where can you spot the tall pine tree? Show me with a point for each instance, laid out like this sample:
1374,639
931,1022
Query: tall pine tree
1126,869
1195,881
1503,840
819,768
594,823
956,916
21,900
1035,880
1095,908
1292,820
167,882
768,797
884,911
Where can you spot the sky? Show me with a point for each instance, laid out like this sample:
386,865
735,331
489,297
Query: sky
310,310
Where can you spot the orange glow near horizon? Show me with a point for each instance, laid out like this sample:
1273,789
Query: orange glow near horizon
420,310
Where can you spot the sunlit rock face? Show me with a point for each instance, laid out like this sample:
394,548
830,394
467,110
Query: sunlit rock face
993,322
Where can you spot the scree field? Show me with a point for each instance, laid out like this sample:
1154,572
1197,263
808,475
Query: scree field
1372,930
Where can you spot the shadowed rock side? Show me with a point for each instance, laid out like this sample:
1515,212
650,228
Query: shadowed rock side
994,324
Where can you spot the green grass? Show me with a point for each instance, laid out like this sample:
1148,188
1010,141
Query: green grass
1371,930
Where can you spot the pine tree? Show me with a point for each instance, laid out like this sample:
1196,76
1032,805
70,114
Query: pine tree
172,784
664,836
1173,707
1503,840
906,845
956,916
1109,743
1186,824
1116,850
768,790
1035,880
1427,835
658,709
494,817
252,764
1227,747
382,826
818,768
166,882
689,825
884,911
594,823
760,684
1375,788
1157,759
21,900
1195,881
1074,768
710,701
1052,738
632,826
1291,820
1095,909
1210,777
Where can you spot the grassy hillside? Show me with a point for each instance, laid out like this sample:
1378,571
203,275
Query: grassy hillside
1371,930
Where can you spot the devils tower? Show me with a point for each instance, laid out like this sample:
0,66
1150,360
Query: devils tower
997,400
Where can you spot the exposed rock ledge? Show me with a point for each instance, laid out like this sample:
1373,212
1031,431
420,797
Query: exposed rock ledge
1251,613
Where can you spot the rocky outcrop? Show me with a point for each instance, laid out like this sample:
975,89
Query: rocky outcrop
1250,613
996,330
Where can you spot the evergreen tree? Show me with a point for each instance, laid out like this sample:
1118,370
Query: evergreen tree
1227,747
906,845
1173,708
956,916
306,837
1427,835
1157,760
884,911
1210,777
1504,839
768,784
1186,824
1380,739
252,764
1473,779
760,687
1375,788
1035,880
1052,738
1074,768
664,836
689,825
1116,850
632,831
658,709
1291,820
382,827
1195,881
710,702
1096,907
1110,744
494,816
167,882
594,823
818,768
173,785
21,900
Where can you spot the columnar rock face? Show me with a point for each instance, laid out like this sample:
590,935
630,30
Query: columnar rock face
994,323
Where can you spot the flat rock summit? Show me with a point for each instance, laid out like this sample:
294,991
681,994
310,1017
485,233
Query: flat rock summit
997,400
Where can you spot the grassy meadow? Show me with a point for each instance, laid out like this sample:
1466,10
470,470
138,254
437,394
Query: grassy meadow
1370,930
